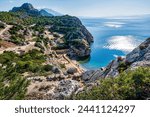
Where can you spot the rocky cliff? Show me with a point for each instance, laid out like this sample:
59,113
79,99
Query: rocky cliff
76,36
139,57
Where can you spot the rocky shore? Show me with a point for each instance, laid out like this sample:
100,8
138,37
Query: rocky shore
139,57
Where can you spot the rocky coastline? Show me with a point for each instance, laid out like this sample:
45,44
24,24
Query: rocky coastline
46,50
139,57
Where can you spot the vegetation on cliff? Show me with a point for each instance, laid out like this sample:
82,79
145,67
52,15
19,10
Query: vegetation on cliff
29,62
71,27
68,25
132,85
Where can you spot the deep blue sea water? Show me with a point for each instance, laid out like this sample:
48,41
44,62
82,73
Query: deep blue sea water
114,37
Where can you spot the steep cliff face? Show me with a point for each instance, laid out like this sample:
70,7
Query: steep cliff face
139,57
79,49
80,41
76,36
80,46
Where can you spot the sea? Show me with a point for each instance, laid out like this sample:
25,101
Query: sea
114,37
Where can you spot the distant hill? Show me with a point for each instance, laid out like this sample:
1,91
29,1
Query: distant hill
55,13
28,9
45,13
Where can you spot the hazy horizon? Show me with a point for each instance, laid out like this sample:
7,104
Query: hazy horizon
86,8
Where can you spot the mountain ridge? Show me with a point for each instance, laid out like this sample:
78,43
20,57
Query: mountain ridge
30,10
53,12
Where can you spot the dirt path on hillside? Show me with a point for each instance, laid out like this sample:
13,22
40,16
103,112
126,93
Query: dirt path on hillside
6,29
16,49
73,64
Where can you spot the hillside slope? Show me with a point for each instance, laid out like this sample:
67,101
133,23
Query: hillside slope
36,54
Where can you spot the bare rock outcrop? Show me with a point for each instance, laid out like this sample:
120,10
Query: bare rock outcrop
57,90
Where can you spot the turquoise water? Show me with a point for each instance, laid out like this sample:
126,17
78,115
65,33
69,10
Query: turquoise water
114,37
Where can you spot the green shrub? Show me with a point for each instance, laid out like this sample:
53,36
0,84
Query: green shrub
38,44
8,57
133,85
62,66
17,40
29,62
2,25
122,66
48,67
15,29
12,85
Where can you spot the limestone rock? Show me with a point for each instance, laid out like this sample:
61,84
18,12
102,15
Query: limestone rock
140,53
71,70
66,88
79,49
56,70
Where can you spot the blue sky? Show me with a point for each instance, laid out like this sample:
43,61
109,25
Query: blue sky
87,8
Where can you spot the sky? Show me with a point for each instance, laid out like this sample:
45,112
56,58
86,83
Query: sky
86,8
